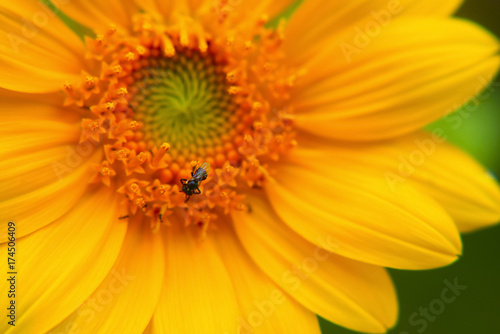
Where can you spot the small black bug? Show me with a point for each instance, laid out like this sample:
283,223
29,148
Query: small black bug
191,187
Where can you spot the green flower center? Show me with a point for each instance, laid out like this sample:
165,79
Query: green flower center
183,100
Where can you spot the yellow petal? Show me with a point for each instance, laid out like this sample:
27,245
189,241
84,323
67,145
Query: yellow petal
264,308
37,207
413,73
159,8
38,53
197,295
317,21
125,300
34,136
432,8
22,137
29,126
240,14
352,294
255,10
27,108
318,196
22,173
60,265
149,328
44,170
464,188
101,15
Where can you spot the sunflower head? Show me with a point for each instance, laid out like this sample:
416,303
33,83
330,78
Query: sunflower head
229,171
163,98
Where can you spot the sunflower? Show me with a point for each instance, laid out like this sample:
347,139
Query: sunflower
309,130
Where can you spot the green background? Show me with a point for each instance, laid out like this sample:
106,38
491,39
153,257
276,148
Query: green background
477,309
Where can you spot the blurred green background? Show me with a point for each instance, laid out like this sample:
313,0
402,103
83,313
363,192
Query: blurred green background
477,309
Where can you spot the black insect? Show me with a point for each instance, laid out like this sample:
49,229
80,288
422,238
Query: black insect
190,187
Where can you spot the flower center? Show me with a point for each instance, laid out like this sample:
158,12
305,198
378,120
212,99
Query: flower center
164,101
183,100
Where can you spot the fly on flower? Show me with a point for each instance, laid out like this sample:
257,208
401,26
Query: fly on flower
190,187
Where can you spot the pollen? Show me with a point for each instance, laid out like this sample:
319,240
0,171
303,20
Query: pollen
110,106
164,100
130,56
121,92
90,81
93,126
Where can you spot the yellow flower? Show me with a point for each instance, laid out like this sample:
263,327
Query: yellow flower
319,176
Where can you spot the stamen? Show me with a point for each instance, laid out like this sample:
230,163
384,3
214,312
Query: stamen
121,154
105,172
157,162
109,106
